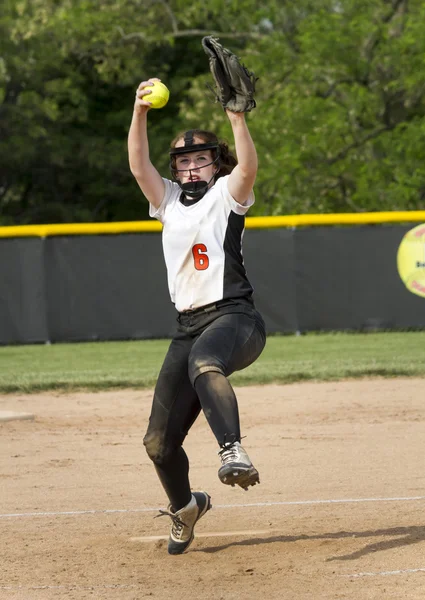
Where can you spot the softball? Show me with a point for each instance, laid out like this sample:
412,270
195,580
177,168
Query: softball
411,260
159,95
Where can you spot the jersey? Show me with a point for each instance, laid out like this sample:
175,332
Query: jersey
202,245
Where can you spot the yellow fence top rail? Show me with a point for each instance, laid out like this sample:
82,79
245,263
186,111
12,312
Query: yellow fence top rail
251,223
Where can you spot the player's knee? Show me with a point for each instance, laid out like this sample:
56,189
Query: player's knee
155,447
198,366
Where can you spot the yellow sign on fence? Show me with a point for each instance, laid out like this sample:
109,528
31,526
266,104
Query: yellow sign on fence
411,260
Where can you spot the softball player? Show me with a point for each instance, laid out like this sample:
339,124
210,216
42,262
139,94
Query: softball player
219,331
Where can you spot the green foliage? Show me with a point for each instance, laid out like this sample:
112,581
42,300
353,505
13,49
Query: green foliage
339,124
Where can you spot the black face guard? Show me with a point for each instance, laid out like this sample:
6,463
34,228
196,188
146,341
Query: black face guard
193,190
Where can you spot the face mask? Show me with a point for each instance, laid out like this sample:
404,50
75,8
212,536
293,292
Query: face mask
194,190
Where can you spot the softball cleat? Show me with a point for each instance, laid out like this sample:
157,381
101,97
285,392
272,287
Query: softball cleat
237,469
184,520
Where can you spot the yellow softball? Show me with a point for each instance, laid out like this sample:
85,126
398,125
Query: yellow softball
159,95
411,260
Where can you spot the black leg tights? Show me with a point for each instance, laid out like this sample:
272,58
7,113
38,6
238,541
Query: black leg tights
174,477
220,406
229,343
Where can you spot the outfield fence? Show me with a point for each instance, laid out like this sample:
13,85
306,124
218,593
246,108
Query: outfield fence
107,281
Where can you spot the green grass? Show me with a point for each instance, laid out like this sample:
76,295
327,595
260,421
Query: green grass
135,364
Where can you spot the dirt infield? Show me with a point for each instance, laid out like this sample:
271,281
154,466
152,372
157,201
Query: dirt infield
340,512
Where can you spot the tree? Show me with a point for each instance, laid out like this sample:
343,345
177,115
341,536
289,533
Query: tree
340,119
339,124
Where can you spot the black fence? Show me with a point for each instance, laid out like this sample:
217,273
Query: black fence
113,287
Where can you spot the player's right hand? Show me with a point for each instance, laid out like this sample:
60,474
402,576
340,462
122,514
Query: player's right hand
142,103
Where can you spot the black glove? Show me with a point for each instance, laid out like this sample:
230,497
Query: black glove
235,85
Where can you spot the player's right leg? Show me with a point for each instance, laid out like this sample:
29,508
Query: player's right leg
175,408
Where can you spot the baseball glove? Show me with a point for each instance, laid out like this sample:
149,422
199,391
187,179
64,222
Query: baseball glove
234,84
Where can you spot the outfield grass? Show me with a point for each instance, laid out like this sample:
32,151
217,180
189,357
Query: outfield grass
135,364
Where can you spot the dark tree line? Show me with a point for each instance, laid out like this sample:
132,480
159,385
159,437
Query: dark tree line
339,125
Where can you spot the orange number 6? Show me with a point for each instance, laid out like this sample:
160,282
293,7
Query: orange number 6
201,259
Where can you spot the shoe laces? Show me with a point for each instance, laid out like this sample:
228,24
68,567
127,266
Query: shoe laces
177,524
229,453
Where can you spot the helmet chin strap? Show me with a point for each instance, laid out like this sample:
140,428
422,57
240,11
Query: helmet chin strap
195,190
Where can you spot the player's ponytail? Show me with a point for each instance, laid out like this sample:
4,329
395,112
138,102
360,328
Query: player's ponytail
227,160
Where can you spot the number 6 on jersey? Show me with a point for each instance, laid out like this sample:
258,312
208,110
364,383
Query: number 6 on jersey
200,258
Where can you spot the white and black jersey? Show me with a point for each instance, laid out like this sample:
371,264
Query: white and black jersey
202,245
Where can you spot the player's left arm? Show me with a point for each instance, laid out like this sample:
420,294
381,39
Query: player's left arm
242,178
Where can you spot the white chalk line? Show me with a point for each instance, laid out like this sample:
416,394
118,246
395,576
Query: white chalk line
386,573
71,586
215,506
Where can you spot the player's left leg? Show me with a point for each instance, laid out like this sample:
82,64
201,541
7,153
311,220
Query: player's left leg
231,343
